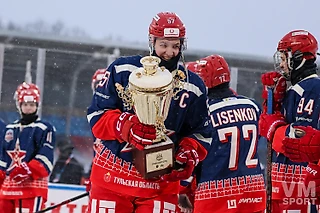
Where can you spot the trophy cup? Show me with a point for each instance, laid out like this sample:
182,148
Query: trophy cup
149,92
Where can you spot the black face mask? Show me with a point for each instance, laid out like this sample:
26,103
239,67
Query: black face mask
309,68
28,118
171,64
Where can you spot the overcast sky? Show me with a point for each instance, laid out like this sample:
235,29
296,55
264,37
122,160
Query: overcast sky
235,26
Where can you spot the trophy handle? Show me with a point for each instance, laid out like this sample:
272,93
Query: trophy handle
125,95
178,83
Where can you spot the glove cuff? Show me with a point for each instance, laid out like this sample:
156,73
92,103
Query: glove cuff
202,152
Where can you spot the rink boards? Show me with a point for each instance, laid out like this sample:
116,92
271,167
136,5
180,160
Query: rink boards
61,192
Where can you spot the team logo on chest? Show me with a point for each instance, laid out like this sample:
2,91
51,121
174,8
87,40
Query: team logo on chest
16,155
9,135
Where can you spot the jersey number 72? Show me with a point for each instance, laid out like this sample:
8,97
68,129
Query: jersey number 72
235,137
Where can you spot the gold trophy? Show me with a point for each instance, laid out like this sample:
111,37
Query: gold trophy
149,92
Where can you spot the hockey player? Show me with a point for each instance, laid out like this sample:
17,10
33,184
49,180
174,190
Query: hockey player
299,105
26,156
230,178
97,78
116,184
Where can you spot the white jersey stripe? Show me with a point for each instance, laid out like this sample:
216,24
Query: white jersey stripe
203,139
40,125
125,67
45,160
91,115
193,88
232,102
3,164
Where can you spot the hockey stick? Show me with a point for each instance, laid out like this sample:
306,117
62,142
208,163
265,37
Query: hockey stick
269,154
64,202
20,206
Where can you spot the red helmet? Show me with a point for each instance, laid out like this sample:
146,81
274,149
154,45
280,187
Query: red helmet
167,25
213,70
299,40
97,77
29,95
24,86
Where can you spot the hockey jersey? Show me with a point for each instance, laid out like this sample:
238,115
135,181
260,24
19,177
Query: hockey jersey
230,177
301,107
27,143
188,117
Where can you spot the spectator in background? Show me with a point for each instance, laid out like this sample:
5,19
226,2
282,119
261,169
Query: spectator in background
67,169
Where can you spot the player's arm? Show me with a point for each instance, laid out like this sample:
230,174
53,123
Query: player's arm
42,164
103,111
196,140
198,127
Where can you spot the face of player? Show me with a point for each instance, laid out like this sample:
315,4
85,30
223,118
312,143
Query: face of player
281,63
28,107
284,63
167,48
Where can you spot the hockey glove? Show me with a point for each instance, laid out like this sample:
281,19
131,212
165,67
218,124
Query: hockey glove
129,129
312,182
189,154
268,124
21,173
278,82
303,149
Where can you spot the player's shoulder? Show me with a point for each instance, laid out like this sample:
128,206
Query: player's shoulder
125,63
44,125
310,84
13,125
195,81
235,101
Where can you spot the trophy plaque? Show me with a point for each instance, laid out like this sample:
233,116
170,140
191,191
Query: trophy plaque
149,92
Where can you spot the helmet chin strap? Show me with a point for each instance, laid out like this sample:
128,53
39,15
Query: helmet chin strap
291,62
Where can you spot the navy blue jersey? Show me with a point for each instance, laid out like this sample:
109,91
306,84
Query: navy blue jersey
26,143
301,106
188,117
231,171
235,139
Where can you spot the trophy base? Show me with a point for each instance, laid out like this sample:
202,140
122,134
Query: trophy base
155,160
